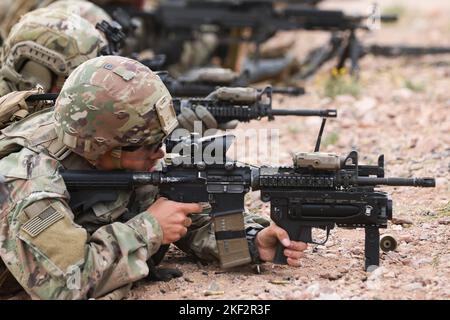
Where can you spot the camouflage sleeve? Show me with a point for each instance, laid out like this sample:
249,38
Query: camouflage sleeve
53,258
200,240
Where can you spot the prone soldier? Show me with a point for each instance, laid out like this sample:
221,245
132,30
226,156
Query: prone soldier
112,113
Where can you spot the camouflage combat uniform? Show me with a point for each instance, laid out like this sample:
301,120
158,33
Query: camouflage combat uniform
41,241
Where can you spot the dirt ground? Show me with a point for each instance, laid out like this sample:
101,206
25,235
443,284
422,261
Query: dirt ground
403,112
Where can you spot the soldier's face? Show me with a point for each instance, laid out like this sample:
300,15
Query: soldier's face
142,159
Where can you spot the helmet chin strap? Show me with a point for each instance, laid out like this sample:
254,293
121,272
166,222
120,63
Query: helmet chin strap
116,157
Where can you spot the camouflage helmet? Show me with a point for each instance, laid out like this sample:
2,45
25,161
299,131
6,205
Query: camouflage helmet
111,102
54,40
85,9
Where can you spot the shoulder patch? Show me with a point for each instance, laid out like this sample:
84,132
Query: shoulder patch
42,221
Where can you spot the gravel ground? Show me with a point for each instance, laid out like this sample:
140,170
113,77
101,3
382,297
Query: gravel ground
402,111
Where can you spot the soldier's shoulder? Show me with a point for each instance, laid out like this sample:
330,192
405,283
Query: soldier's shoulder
32,175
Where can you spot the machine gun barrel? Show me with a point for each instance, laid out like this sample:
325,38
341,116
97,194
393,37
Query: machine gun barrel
291,91
394,51
411,182
389,18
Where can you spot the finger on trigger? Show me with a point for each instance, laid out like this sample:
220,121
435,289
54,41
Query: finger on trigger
297,245
293,254
188,208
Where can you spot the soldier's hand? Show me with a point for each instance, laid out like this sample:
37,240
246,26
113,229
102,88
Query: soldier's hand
267,240
173,217
187,119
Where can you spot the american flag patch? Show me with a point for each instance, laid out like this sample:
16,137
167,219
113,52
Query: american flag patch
42,221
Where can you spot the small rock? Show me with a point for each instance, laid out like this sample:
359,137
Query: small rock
413,286
356,251
329,296
376,274
423,237
213,286
429,213
205,273
187,279
422,261
406,238
298,295
314,289
373,285
444,221
331,276
188,293
401,221
406,262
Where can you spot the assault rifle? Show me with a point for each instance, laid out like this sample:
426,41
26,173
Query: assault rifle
242,104
245,104
319,191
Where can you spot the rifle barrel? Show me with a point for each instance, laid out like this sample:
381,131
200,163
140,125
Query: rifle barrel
328,113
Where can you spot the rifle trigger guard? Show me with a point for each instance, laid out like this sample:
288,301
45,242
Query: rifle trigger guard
326,239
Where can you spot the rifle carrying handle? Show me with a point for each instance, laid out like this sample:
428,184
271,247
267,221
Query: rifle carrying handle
302,234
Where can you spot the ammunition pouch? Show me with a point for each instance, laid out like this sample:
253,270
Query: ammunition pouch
13,106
